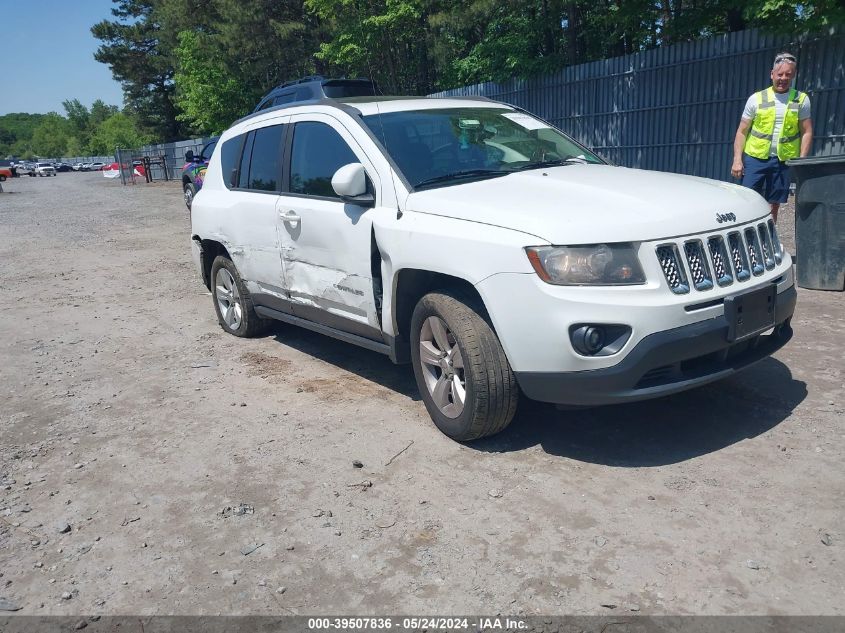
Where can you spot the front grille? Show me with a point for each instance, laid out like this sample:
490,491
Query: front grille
766,245
721,264
698,267
778,249
737,256
754,254
673,268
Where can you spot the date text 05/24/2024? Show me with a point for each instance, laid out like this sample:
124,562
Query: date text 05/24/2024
415,623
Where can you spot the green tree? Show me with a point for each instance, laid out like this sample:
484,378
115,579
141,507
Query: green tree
209,95
386,40
50,138
793,16
119,130
16,131
133,48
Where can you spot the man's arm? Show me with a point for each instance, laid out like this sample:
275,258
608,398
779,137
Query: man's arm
806,136
739,144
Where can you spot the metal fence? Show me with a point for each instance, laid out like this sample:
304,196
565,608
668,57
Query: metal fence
165,159
676,108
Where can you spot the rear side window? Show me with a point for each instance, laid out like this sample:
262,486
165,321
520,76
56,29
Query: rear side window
265,167
259,167
243,168
318,152
230,155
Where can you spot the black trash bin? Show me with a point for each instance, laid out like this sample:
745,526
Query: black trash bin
820,222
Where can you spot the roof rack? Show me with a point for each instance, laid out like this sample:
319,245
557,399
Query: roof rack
301,80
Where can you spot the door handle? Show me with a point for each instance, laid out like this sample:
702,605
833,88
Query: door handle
290,216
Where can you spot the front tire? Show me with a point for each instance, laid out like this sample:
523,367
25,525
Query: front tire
461,369
190,190
232,302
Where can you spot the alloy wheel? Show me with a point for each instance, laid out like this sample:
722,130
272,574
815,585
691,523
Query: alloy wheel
442,366
228,299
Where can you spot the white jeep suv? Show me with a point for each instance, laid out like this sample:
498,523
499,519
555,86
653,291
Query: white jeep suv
490,250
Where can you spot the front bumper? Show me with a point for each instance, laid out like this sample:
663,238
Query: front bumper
664,363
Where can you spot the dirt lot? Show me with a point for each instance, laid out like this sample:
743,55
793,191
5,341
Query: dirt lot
130,418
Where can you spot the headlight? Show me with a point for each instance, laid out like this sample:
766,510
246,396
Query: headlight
594,264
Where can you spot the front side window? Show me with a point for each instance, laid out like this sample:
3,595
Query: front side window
318,152
441,146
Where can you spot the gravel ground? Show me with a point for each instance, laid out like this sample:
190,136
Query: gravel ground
133,429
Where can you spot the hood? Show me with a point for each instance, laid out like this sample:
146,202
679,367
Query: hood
586,204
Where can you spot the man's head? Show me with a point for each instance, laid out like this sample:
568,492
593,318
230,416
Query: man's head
783,71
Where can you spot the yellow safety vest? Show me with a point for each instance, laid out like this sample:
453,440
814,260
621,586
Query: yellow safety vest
758,143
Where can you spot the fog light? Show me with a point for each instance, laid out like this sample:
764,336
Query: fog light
598,340
588,339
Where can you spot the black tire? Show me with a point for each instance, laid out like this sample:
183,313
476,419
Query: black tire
249,324
190,190
491,391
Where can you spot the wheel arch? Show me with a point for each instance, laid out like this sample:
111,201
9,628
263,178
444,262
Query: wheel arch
409,286
209,250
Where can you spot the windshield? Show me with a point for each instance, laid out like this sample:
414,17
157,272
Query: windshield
446,146
208,150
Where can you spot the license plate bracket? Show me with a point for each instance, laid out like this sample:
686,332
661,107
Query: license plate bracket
750,313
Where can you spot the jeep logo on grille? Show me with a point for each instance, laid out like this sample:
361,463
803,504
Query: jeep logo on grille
725,217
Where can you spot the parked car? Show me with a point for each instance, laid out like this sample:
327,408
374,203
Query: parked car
77,166
193,170
492,251
45,169
96,166
10,166
25,168
315,87
62,167
5,173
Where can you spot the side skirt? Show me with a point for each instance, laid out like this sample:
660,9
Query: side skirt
340,335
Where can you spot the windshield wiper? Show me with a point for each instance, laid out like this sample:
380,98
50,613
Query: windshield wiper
461,175
572,160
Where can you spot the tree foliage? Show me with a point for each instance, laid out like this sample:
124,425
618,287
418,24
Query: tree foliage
194,67
82,132
118,130
138,48
221,74
16,131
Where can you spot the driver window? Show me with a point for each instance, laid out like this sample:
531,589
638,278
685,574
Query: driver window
318,152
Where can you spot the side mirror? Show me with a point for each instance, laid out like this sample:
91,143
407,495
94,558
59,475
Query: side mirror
189,156
350,183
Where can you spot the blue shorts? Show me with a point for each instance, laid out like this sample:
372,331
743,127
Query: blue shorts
769,178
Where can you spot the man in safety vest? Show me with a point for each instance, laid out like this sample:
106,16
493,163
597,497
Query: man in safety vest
775,127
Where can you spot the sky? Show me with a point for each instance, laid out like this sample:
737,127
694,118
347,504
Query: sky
48,55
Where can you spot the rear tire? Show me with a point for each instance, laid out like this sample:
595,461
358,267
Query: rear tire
461,369
190,190
232,301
